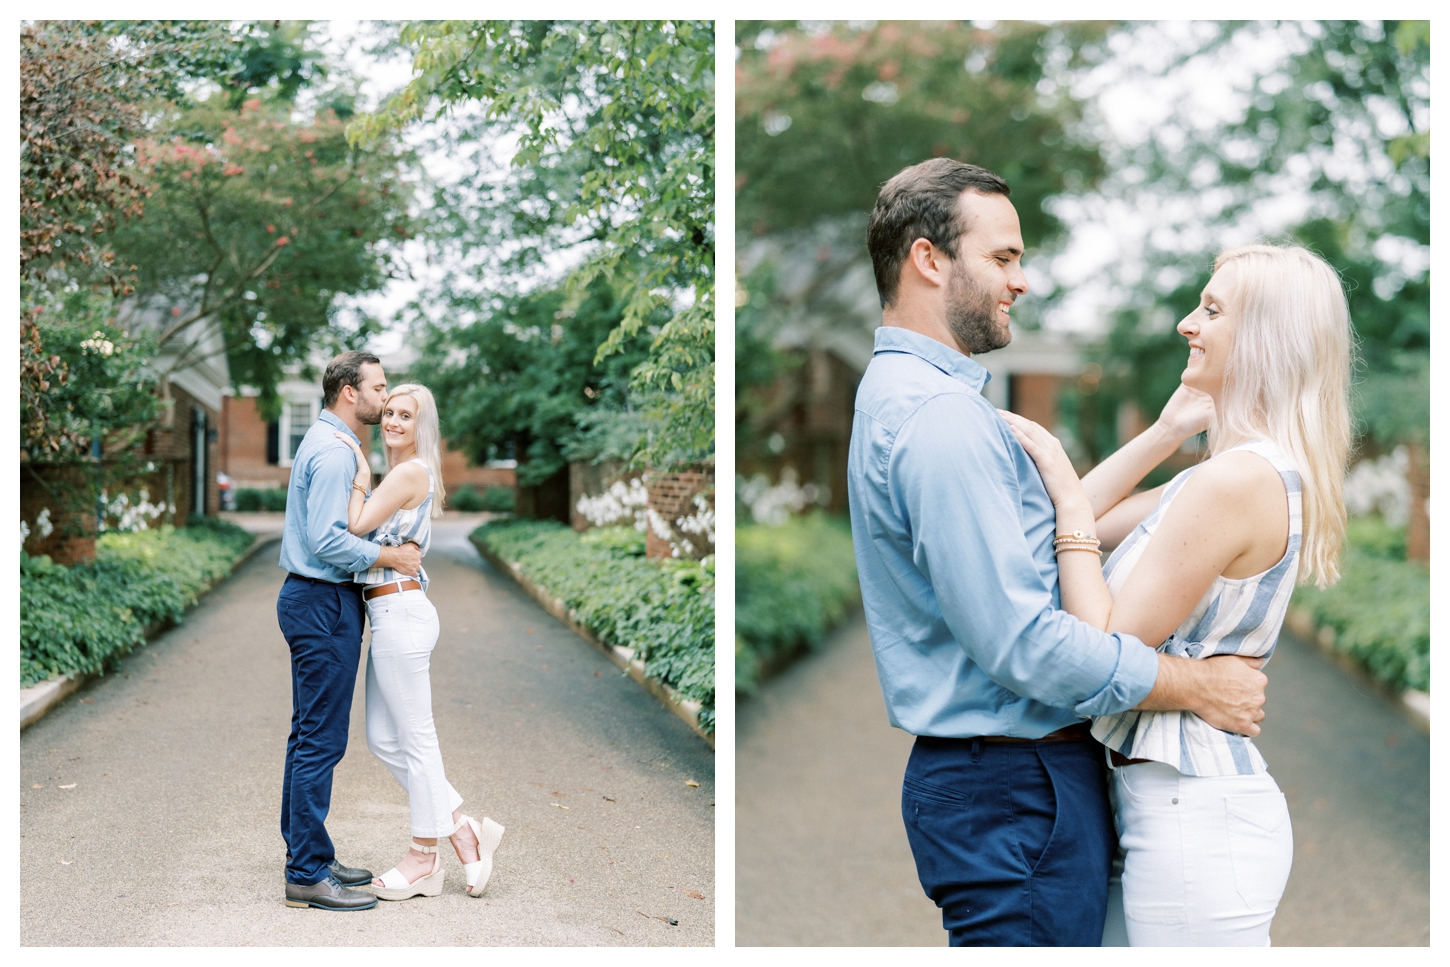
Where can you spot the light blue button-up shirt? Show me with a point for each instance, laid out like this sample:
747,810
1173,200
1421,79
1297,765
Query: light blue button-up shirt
953,531
315,540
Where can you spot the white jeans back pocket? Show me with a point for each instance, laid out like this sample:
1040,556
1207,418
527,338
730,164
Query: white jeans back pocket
1261,843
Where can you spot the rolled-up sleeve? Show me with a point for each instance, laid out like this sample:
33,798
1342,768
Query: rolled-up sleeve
330,485
952,475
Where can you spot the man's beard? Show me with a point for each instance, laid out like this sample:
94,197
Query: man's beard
972,314
368,417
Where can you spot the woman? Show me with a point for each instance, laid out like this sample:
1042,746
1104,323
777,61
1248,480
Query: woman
405,629
1205,565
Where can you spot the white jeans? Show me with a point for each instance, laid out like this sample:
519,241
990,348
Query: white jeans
400,707
1207,857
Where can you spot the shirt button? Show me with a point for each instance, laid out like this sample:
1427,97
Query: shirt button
1175,800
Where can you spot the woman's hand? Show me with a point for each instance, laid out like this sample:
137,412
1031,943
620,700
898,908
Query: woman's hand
1046,451
1187,413
364,475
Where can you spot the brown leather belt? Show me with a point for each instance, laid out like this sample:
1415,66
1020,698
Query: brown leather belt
378,590
1119,760
1072,733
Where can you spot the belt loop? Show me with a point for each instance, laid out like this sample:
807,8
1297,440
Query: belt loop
976,748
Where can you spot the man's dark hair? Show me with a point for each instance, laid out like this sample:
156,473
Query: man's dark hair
921,202
344,370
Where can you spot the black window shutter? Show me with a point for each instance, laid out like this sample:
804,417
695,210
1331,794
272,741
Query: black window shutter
274,436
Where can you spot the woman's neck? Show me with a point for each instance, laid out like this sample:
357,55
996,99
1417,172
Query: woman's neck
405,454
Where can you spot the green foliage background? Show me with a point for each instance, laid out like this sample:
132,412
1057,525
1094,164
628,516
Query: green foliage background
793,583
663,610
81,619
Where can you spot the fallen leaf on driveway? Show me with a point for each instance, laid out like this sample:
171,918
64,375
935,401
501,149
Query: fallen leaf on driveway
692,784
605,798
71,786
693,895
559,804
35,785
66,862
670,920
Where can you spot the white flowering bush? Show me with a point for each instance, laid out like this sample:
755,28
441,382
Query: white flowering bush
627,504
773,504
127,517
1380,486
622,503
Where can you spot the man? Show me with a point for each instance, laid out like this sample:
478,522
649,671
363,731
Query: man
321,613
1004,798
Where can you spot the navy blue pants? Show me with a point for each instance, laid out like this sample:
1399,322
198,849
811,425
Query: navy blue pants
1013,841
323,626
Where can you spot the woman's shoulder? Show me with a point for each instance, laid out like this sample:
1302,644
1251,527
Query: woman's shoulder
1235,479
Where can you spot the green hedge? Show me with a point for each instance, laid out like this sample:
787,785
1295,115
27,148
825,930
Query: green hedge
663,610
1380,609
274,499
74,620
470,501
793,583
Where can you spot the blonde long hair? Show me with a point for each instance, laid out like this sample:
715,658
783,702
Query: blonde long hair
1287,378
427,439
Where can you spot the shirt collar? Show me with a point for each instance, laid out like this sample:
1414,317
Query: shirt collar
895,339
333,419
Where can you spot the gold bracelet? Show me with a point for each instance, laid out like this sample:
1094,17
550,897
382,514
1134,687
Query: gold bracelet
1076,547
358,486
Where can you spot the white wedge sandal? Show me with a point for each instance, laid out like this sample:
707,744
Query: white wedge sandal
396,886
488,833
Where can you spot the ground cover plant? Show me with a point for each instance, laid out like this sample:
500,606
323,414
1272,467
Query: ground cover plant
662,609
81,619
1380,609
793,583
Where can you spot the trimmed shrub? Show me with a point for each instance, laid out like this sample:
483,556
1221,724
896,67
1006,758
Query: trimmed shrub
663,610
79,620
466,499
499,500
793,584
273,499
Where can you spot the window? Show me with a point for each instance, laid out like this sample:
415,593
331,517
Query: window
297,419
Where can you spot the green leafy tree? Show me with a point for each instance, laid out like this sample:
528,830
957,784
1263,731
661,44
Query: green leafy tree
612,169
826,113
521,378
256,224
1344,120
824,116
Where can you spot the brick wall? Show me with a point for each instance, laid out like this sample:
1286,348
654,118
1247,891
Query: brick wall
244,446
671,495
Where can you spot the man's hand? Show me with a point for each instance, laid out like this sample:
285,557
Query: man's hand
407,559
1226,691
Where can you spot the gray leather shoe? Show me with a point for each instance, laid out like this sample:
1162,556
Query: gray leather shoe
348,875
329,895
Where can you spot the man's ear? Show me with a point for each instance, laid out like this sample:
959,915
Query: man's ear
349,393
928,261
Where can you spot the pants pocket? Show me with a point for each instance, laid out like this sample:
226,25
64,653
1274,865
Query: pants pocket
1261,845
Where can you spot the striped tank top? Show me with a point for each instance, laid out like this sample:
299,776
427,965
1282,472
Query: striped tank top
1238,616
405,525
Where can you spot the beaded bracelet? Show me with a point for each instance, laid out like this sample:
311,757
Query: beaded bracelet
1076,541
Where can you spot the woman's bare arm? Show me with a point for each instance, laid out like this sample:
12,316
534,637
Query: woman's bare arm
1230,514
405,486
1115,525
